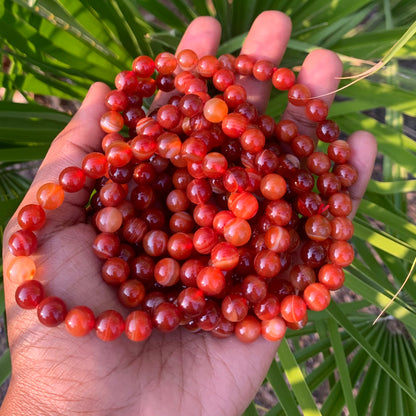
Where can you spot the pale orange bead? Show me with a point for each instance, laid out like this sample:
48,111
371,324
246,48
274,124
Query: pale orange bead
215,110
20,269
111,122
50,195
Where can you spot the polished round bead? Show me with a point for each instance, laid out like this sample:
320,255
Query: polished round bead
234,307
316,110
109,325
277,239
223,78
168,145
273,329
299,94
283,79
210,316
166,317
106,245
189,271
267,264
340,204
177,201
199,191
50,196
191,302
167,271
115,271
95,165
51,311
301,276
204,214
142,268
313,253
243,205
273,186
211,281
254,288
332,276
318,228
248,330
225,256
267,308
187,59
20,269
318,163
180,246
23,243
204,240
126,81
279,212
215,110
134,230
138,326
207,66
116,100
327,131
237,231
224,328
234,125
112,194
109,220
72,179
293,308
131,293
317,297
347,174
29,294
143,66
165,63
341,253
155,243
111,122
31,217
263,70
214,165
181,222
342,228
79,321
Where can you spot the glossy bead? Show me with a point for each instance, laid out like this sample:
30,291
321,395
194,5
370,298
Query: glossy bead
234,125
131,117
237,231
112,194
166,317
339,151
72,179
308,203
235,179
279,212
51,311
225,256
313,254
155,243
347,174
316,110
191,302
23,243
138,326
154,218
318,228
131,293
318,163
252,140
302,181
211,281
277,239
340,204
243,205
187,59
214,165
234,307
20,269
167,271
341,253
317,297
302,146
293,308
134,230
301,276
142,268
273,329
177,201
327,131
280,288
332,276
199,191
223,78
116,100
263,70
79,321
181,222
204,240
50,196
215,110
283,79
248,330
299,94
31,217
126,81
111,122
204,214
267,264
109,220
223,329
109,325
273,186
342,228
95,165
210,316
29,294
142,196
207,66
253,288
106,245
143,147
191,105
143,66
268,308
115,271
180,246
165,63
189,271
328,184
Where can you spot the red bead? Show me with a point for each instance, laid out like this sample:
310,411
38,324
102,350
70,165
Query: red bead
299,94
318,228
51,311
187,59
316,110
21,268
215,110
234,307
204,240
293,308
301,276
131,293
254,288
155,243
273,329
211,281
223,78
126,81
340,204
237,231
31,217
95,165
243,205
165,63
341,253
143,66
248,330
167,271
267,264
318,163
142,268
80,321
191,302
108,220
234,125
225,256
23,243
72,179
106,245
29,294
332,276
263,70
283,79
189,271
166,317
277,239
327,131
116,100
115,271
342,228
138,326
207,66
209,317
268,308
180,246
317,297
273,186
50,196
111,122
109,325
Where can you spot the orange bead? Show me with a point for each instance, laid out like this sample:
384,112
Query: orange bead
50,196
79,321
215,110
20,269
138,326
111,122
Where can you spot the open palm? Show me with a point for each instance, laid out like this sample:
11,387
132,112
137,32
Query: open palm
169,374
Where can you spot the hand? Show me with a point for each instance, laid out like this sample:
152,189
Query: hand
169,374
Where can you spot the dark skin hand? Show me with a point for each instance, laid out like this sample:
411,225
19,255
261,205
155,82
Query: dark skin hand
169,374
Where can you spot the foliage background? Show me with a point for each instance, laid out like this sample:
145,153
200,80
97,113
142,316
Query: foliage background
56,49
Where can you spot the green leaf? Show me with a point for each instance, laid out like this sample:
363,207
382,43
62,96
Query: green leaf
297,381
251,410
5,366
342,365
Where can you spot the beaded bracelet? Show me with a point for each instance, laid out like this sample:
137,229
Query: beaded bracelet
203,218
